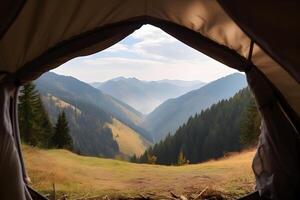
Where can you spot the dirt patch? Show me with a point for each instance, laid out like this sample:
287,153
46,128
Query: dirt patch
206,194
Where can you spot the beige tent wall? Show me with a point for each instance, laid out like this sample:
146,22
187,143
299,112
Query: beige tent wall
40,35
210,20
47,24
42,25
277,160
274,25
279,77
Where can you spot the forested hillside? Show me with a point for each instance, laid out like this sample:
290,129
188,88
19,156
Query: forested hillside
171,114
95,119
224,127
87,126
76,92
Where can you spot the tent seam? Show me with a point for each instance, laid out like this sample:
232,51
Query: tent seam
138,20
261,44
146,7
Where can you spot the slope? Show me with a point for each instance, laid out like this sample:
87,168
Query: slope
130,142
94,132
74,92
90,177
174,112
87,129
208,135
146,95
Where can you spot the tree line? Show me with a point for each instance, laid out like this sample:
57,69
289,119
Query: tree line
35,126
227,126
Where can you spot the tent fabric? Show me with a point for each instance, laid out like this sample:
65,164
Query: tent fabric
36,36
12,181
274,26
47,24
35,195
277,161
252,196
86,44
6,18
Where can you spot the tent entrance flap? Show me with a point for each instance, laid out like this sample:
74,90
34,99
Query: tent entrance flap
37,36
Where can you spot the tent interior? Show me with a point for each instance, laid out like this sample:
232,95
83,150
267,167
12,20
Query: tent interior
258,38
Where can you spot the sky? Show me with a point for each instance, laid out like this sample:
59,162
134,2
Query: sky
147,54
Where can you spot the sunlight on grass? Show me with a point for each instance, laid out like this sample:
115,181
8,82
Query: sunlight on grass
79,175
130,142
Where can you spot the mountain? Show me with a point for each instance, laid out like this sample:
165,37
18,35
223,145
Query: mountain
94,117
174,112
207,135
93,131
196,84
96,84
145,95
72,90
68,87
87,129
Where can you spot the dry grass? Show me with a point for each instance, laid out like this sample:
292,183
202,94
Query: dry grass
126,137
77,175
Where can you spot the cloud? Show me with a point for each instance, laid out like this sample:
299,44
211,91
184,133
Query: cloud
119,61
156,44
152,33
148,54
117,48
153,43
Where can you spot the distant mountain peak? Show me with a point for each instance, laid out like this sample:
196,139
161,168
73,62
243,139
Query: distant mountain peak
169,115
144,96
119,78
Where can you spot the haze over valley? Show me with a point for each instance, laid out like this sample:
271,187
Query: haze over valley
145,96
105,119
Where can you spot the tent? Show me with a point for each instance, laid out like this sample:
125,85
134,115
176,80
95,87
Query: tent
260,38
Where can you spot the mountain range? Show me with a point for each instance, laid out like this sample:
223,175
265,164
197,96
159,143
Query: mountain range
145,96
103,125
95,119
171,114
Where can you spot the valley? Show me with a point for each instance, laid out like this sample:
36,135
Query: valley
102,123
145,96
173,113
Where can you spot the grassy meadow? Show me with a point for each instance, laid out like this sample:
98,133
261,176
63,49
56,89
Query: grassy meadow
79,176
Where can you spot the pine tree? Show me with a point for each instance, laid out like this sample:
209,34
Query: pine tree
61,137
143,158
133,159
28,128
46,130
181,159
250,125
35,126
